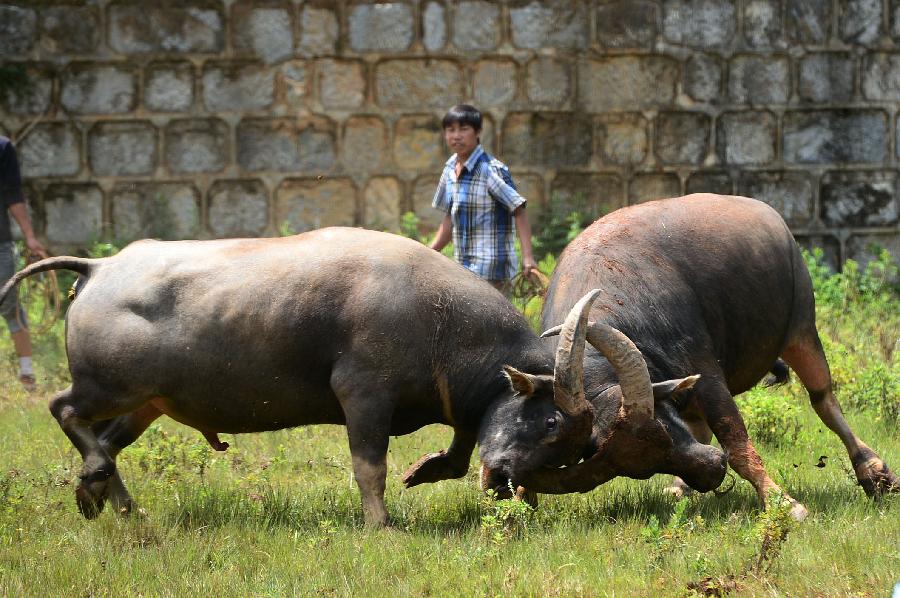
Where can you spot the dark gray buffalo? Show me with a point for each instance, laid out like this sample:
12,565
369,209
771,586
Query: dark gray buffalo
701,284
339,326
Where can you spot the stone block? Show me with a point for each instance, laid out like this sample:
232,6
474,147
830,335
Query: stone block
418,84
197,145
494,82
700,23
627,24
18,29
881,76
381,27
422,194
790,193
864,248
122,148
169,87
547,139
745,138
168,211
832,136
73,213
418,143
266,32
682,137
859,199
558,24
548,81
709,182
627,83
763,25
647,186
807,21
590,195
237,86
364,145
89,88
69,29
383,198
238,208
759,80
827,77
311,203
434,26
895,20
476,25
341,84
621,138
703,77
294,79
859,21
27,88
286,144
319,31
141,28
531,187
51,149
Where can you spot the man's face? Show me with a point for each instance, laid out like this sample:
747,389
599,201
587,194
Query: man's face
462,139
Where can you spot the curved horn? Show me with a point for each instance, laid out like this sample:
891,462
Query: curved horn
631,368
568,382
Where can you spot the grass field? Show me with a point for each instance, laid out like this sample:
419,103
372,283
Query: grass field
279,514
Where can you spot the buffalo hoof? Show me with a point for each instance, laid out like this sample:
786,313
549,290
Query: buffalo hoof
88,505
875,477
429,468
678,489
798,511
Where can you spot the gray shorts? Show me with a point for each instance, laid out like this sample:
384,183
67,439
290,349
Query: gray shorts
10,308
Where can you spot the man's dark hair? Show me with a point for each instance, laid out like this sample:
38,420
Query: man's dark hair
462,114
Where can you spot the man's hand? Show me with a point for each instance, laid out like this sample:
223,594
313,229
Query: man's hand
35,246
529,267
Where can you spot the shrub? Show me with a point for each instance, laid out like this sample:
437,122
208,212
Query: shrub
771,417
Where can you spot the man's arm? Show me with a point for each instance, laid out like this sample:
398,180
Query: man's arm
523,229
444,233
20,213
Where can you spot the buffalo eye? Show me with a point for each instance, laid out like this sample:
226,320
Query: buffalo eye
550,423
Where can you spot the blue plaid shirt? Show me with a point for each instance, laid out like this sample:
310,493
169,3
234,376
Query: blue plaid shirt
481,204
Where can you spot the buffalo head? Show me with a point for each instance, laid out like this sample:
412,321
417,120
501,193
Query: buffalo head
634,428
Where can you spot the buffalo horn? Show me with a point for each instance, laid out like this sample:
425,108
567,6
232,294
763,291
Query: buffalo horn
626,359
568,383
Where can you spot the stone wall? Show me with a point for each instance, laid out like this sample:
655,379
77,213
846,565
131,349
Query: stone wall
208,118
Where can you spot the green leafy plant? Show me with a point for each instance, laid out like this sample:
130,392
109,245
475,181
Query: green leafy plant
771,417
504,519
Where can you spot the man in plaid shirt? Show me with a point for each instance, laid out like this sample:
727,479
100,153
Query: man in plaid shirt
481,206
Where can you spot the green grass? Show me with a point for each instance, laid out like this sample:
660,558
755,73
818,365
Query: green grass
278,513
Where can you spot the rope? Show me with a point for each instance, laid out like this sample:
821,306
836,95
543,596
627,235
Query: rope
43,287
529,287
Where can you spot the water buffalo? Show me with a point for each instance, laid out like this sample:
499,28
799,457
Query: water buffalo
706,284
340,326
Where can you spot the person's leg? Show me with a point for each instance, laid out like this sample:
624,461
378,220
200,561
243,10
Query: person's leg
15,318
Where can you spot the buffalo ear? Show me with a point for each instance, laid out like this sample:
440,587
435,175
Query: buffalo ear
520,382
673,389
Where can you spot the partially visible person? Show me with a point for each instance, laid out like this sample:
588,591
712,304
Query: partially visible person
482,209
13,202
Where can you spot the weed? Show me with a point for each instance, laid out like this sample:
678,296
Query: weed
504,519
770,417
665,538
772,529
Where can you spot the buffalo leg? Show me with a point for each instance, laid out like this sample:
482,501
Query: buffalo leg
443,465
368,451
701,433
808,360
727,424
114,435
